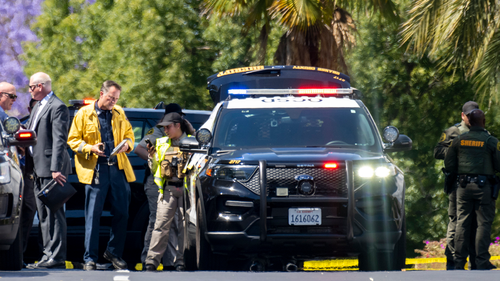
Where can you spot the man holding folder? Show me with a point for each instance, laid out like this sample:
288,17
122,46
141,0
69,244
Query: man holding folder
50,160
99,135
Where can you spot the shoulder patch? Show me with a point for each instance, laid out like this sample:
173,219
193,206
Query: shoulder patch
443,137
150,131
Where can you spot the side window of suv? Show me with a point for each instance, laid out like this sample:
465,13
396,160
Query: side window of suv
138,128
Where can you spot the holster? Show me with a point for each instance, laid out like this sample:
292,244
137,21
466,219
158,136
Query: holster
181,164
168,169
450,181
495,185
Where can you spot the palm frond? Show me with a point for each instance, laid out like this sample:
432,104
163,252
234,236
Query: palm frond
385,8
223,7
486,77
418,30
296,13
465,24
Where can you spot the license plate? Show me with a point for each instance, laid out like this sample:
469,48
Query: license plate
304,216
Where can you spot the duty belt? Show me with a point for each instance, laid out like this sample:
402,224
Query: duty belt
468,178
480,180
176,184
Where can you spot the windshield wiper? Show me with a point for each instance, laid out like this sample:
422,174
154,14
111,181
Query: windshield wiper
224,151
336,146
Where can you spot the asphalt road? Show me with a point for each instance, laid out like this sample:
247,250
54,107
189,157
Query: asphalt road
72,275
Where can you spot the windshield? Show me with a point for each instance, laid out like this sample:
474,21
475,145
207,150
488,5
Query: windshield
294,127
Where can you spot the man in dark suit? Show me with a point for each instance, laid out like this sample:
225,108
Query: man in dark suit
50,120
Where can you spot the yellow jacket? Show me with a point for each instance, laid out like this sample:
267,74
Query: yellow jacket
85,132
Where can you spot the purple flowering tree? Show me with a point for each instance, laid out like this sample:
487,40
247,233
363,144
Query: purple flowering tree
15,19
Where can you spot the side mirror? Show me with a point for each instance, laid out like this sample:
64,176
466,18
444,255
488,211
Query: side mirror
402,143
190,144
23,138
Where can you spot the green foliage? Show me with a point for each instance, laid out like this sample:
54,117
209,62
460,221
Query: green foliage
461,35
157,50
407,92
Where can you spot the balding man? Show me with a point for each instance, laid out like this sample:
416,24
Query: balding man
7,98
50,120
474,156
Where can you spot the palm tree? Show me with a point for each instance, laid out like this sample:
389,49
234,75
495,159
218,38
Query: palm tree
317,31
459,34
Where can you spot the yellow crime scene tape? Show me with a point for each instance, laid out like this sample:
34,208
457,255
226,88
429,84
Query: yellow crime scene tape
352,264
346,264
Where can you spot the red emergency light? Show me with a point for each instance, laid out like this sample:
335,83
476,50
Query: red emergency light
323,91
317,91
87,101
25,135
331,165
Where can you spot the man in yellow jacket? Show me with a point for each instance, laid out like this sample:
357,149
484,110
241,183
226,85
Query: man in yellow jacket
99,135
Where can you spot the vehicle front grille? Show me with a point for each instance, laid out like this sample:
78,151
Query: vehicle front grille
327,182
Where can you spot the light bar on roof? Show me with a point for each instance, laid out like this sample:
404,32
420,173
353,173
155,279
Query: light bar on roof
275,92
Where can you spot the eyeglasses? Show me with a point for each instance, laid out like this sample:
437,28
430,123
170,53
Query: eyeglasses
12,96
33,87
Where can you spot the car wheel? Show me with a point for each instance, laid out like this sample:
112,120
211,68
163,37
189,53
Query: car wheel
204,254
372,260
189,244
12,259
205,258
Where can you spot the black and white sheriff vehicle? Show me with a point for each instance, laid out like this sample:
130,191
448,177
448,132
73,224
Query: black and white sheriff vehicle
290,167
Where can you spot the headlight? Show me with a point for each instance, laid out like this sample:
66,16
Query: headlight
379,171
233,172
4,172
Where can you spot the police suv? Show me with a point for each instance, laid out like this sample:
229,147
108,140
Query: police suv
11,192
291,167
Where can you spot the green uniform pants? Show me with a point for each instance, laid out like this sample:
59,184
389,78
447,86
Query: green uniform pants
450,234
165,214
474,199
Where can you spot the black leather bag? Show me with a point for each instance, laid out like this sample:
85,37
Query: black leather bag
55,195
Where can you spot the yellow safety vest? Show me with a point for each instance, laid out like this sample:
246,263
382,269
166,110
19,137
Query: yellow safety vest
162,146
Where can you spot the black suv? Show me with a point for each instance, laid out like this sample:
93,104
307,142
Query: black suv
142,120
11,192
291,167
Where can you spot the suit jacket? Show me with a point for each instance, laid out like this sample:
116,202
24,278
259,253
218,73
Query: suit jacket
50,153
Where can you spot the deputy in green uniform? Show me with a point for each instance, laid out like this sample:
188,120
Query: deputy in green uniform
173,257
170,186
474,156
439,153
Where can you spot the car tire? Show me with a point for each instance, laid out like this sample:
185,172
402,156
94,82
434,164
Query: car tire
189,243
12,259
372,260
204,255
205,258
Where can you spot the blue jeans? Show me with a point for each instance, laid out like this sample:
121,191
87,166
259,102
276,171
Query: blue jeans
111,180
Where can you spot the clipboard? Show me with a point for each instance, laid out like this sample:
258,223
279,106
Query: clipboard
117,148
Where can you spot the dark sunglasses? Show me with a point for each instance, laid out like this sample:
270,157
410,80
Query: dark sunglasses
12,96
33,87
